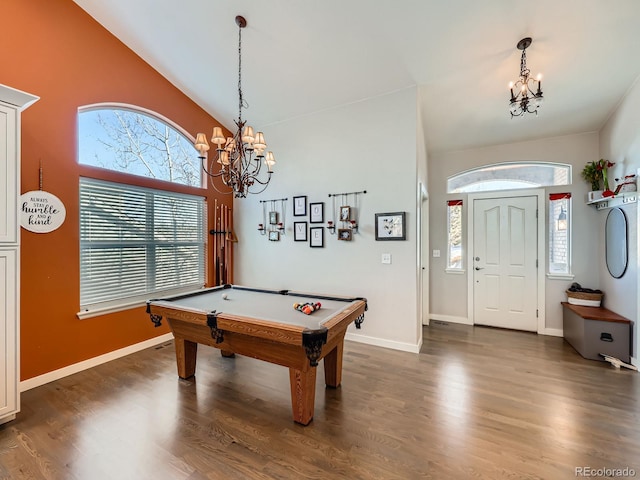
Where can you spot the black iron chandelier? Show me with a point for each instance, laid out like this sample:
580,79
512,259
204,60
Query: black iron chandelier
239,158
529,90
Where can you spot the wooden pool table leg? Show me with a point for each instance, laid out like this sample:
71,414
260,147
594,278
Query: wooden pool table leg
303,393
333,366
186,352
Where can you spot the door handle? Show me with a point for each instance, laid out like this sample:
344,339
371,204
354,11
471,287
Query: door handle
479,268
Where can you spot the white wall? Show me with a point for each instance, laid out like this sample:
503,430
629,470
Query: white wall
620,143
369,145
449,291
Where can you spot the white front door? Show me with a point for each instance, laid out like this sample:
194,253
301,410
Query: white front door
505,262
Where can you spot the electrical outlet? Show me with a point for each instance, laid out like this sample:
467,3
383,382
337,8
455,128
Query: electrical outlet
386,258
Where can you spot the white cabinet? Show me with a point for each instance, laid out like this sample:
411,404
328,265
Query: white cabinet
9,372
12,103
8,176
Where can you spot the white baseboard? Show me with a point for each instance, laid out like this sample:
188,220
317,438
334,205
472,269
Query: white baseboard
8,418
380,342
554,332
450,319
636,363
92,362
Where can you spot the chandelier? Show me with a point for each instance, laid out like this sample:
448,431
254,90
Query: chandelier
529,96
238,159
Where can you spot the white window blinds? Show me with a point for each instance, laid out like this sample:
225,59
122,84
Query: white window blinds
137,242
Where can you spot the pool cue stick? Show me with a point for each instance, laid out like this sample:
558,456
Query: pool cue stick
215,242
226,244
232,234
229,246
218,245
221,264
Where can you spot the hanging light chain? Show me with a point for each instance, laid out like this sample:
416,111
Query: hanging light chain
240,102
524,71
238,169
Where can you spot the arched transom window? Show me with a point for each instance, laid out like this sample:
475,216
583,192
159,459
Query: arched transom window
510,176
137,141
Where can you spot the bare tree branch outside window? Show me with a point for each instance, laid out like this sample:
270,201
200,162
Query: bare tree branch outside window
139,144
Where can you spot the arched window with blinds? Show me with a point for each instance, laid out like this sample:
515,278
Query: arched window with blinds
137,242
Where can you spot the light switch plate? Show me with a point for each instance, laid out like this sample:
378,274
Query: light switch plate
386,258
436,253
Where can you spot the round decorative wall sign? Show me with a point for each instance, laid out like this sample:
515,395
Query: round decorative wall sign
41,212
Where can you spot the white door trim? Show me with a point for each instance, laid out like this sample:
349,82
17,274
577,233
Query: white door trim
541,226
423,249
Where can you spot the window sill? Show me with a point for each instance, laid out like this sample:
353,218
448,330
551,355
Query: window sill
134,302
455,271
96,312
560,276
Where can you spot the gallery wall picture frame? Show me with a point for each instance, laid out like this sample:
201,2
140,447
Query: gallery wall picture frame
316,237
345,213
391,226
345,234
273,218
300,231
300,206
274,235
316,212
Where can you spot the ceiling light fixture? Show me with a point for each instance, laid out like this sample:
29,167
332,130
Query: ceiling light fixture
240,159
526,100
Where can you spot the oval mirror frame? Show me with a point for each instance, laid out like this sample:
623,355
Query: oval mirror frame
615,243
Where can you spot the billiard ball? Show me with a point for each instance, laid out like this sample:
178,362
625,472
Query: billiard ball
224,296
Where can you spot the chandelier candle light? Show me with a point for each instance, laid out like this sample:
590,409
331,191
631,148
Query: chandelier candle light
528,98
239,158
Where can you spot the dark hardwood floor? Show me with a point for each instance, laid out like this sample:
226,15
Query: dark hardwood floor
476,403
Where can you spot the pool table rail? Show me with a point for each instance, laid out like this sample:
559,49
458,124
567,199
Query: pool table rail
267,329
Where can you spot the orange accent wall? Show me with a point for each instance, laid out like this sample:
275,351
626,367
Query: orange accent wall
55,50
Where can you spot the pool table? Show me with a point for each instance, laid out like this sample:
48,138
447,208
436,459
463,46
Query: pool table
263,324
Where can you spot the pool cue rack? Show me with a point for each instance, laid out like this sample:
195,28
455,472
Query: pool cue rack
223,238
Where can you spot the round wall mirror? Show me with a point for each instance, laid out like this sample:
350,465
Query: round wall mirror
615,245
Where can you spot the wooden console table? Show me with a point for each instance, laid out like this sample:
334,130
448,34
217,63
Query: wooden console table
595,330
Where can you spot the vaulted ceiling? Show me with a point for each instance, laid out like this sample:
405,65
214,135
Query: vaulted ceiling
303,56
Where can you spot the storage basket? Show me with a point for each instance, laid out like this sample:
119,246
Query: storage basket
584,298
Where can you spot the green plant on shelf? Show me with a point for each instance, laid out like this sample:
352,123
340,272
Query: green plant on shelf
596,171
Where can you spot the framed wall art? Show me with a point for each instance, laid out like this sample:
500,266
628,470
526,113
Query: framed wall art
300,231
274,235
345,214
273,218
299,206
316,237
391,226
316,212
345,234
